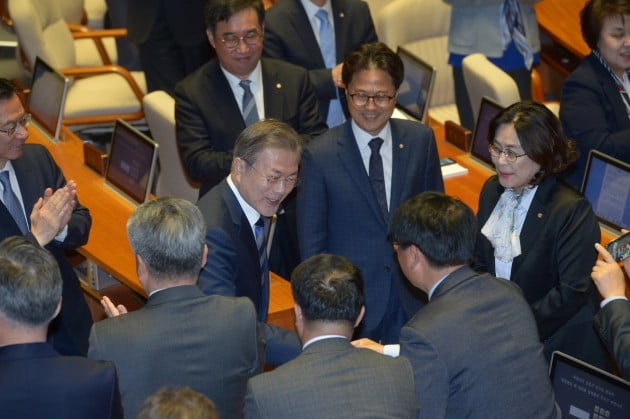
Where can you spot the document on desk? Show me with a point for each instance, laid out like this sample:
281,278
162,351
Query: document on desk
450,168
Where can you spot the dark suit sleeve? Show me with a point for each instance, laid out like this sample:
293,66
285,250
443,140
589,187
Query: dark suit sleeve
585,112
613,324
430,373
202,162
217,276
575,258
434,181
80,221
310,123
312,207
116,403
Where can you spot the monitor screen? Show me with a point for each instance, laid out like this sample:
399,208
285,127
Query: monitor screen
584,391
487,111
47,98
607,187
132,161
415,91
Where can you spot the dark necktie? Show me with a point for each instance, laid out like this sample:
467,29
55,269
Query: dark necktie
377,179
261,245
12,202
250,113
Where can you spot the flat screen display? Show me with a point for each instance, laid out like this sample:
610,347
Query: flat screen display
132,161
47,98
415,91
479,144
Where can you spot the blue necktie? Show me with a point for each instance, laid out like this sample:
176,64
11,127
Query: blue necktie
261,245
377,178
250,113
327,47
516,29
12,203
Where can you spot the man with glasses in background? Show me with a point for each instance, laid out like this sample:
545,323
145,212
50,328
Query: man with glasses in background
237,213
37,202
214,104
356,175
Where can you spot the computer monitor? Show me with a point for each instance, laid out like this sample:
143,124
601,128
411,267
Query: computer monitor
47,98
488,110
132,161
414,94
606,185
584,391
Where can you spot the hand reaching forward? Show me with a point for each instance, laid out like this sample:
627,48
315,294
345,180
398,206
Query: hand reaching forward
607,274
111,310
52,212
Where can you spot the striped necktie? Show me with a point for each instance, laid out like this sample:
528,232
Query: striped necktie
250,113
261,245
12,203
329,53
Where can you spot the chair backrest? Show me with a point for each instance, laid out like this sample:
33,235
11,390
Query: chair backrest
73,11
42,31
404,21
486,79
159,109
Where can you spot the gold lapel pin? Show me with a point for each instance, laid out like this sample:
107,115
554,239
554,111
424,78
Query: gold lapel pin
540,215
278,85
401,146
341,14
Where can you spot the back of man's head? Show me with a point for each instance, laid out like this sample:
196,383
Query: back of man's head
30,283
169,235
328,288
442,227
222,10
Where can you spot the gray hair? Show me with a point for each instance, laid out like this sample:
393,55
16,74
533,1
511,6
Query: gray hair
169,235
267,133
30,282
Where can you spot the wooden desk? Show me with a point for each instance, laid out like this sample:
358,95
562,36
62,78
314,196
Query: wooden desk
560,21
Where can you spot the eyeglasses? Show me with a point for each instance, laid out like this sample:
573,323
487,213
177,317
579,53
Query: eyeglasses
361,99
23,121
289,181
251,38
508,154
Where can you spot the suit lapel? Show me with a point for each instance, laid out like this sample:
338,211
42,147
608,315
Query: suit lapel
339,17
300,24
350,158
400,161
220,94
610,89
272,91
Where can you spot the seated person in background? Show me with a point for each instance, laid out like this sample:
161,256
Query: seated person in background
180,403
317,35
330,376
353,178
35,381
180,337
613,320
237,213
505,31
538,232
214,104
595,101
474,347
37,201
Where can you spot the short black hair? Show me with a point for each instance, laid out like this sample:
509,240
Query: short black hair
222,10
7,89
328,288
595,12
373,56
442,227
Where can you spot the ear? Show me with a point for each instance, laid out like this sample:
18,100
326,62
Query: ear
58,309
360,316
210,36
142,270
204,257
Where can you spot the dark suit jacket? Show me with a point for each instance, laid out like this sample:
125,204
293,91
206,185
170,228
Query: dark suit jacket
183,338
554,268
36,171
36,382
594,115
331,378
613,324
184,19
475,352
208,119
289,37
338,212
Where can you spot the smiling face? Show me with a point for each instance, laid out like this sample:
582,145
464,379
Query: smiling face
11,147
614,43
242,59
518,174
372,82
252,184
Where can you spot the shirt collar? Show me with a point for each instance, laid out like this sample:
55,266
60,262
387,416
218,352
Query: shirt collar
255,77
322,337
251,214
311,8
363,138
437,284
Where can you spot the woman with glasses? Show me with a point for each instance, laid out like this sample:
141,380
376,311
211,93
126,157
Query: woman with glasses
595,101
538,232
